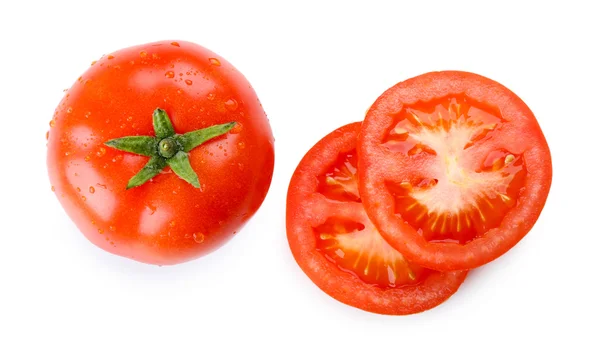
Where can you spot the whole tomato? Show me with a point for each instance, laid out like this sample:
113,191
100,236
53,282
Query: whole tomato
160,152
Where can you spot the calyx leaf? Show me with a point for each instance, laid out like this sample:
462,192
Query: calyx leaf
170,154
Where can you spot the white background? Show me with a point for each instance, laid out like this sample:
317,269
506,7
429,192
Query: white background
315,66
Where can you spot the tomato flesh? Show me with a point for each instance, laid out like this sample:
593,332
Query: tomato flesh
340,181
455,198
355,247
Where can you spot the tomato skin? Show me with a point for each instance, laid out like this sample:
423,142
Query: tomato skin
522,132
305,211
165,221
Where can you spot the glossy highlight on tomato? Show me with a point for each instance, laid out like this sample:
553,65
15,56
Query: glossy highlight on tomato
455,169
337,246
160,152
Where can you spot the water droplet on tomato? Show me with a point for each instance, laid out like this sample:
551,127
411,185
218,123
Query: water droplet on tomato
129,119
231,104
87,158
188,82
170,74
103,186
52,123
52,188
47,135
117,158
241,145
112,228
172,223
210,96
92,190
94,62
155,56
110,57
67,153
237,128
143,53
214,61
70,110
88,114
198,237
83,198
78,190
175,44
100,231
101,152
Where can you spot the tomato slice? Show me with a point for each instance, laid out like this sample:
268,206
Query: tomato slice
338,247
455,169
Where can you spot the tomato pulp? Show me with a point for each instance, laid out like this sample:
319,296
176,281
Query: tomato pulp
186,207
454,169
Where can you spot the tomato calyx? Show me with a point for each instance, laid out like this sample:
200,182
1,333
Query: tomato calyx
167,148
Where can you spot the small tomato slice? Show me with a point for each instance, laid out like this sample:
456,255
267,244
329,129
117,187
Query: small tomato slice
337,246
455,169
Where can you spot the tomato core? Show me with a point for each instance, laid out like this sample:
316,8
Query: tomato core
454,196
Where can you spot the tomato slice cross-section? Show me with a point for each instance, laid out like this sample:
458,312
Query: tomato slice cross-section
455,169
337,246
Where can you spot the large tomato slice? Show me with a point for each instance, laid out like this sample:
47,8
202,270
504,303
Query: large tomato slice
454,170
337,246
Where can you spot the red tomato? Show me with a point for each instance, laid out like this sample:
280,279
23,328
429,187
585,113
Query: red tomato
201,193
337,246
455,169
